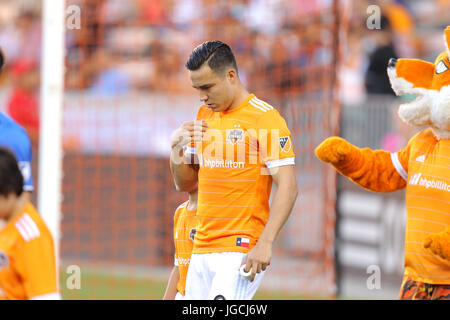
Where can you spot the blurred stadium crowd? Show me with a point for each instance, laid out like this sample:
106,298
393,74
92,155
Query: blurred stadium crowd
142,45
409,29
127,46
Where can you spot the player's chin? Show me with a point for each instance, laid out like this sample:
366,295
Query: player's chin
215,107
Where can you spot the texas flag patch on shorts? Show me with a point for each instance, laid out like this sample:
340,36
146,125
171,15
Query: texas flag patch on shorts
242,242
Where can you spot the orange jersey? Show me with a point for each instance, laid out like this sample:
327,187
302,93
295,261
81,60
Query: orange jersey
27,258
234,184
183,236
425,165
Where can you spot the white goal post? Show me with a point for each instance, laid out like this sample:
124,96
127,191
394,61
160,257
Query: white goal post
51,101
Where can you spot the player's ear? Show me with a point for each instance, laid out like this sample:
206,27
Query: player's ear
231,75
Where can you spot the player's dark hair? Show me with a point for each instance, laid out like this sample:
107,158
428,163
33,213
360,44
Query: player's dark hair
2,59
385,24
11,179
218,55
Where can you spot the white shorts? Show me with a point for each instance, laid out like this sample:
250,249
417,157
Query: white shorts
215,276
179,296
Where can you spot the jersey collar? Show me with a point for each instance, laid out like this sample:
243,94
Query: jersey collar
242,105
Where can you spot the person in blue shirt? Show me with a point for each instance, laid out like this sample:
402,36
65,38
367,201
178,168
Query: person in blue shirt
15,138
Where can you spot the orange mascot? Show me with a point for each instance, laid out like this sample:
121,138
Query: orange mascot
423,166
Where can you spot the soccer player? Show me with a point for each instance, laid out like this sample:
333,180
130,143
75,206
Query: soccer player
235,148
27,258
15,138
183,233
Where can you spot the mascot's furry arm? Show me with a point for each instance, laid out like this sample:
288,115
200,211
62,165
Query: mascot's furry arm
371,169
374,170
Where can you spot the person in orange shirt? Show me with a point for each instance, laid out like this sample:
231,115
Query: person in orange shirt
183,233
233,151
27,257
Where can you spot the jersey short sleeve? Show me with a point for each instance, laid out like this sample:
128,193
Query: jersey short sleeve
15,138
175,234
400,162
38,268
274,140
400,159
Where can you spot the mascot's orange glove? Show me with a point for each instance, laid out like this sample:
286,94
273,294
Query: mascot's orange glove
439,243
371,169
337,151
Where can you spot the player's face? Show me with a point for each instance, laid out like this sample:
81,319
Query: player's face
216,91
7,204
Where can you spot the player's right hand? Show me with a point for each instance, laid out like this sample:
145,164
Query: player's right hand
333,150
190,131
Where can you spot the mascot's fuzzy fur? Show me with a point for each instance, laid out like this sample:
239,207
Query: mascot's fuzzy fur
423,167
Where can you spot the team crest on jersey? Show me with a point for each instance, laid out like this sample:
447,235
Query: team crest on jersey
236,135
192,234
4,261
285,144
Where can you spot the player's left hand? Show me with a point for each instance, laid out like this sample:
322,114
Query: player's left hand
258,258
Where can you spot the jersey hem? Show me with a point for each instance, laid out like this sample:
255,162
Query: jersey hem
215,250
424,279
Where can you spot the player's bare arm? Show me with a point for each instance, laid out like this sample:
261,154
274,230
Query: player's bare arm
285,195
183,164
171,289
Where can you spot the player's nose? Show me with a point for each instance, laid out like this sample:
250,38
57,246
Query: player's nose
203,95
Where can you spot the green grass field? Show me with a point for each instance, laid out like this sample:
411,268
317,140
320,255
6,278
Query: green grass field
101,286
